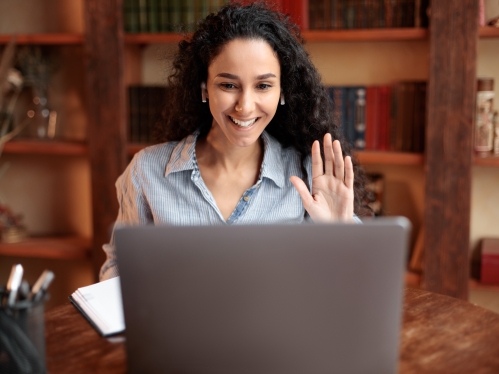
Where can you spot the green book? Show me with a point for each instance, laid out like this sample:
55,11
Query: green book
202,9
164,23
188,14
153,15
131,15
143,23
175,14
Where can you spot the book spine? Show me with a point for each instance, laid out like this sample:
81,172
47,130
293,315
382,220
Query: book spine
384,118
340,107
359,120
164,24
133,18
175,14
188,14
409,114
401,116
326,5
419,117
417,13
349,14
143,21
369,118
381,14
153,15
311,14
376,117
389,12
394,109
334,14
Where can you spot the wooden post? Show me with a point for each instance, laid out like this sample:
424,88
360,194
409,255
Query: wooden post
451,105
106,108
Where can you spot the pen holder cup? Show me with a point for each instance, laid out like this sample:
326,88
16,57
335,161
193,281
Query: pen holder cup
22,337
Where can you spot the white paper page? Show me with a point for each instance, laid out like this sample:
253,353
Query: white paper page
104,300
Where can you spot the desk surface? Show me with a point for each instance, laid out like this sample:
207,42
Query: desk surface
439,334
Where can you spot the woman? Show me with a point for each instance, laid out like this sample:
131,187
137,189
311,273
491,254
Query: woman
245,112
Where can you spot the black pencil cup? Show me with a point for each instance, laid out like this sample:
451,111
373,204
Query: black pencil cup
22,337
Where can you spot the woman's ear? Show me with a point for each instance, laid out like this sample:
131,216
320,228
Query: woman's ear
204,92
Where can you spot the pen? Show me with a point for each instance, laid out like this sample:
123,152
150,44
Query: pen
15,277
41,285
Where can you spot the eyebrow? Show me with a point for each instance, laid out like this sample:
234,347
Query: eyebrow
232,76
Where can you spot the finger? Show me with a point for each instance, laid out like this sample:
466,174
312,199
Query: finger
328,154
317,168
302,189
339,170
349,176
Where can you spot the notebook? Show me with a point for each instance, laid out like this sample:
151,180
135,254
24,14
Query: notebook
263,299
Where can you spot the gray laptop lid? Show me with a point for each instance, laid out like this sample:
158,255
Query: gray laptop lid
263,299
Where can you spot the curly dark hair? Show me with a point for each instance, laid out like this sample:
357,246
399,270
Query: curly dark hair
305,117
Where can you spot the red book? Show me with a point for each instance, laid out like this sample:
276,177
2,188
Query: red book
298,10
372,117
384,118
490,261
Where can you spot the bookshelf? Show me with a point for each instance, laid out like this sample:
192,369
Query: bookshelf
113,60
36,147
51,247
44,39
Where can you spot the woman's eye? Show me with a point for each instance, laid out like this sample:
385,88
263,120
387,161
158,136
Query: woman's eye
228,86
264,86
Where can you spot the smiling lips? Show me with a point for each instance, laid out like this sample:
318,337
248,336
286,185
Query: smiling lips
243,123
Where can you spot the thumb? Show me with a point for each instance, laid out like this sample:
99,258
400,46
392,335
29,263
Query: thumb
302,189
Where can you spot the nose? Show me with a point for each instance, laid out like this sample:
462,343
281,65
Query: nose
245,104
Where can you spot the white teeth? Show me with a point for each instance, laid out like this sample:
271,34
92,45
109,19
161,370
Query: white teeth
243,123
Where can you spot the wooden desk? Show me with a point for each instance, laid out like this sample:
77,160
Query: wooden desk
440,334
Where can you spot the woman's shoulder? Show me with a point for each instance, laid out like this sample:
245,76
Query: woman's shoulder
158,156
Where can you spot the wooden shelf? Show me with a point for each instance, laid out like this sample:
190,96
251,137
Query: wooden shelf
388,34
488,32
476,285
49,147
156,38
486,161
383,34
389,158
60,248
44,39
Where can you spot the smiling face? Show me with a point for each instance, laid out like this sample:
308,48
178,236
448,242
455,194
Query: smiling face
243,91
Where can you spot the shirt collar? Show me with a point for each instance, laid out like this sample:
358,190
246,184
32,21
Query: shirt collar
183,158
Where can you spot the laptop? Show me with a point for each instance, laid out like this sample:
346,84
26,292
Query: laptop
311,298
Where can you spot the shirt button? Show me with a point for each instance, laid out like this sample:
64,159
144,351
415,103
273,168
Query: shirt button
246,198
258,185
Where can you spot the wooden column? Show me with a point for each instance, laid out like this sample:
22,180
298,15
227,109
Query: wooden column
106,113
451,105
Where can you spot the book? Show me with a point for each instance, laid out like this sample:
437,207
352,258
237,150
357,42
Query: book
338,97
490,261
372,117
164,22
101,305
153,15
359,118
384,117
142,16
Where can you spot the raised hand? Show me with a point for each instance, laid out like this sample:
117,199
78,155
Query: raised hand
332,184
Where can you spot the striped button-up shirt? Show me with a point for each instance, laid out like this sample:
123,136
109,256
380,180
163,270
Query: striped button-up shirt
163,186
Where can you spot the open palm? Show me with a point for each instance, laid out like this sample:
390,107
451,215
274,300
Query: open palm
332,184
